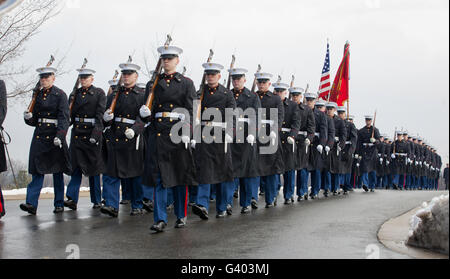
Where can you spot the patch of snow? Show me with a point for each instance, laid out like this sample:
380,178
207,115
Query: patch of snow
429,227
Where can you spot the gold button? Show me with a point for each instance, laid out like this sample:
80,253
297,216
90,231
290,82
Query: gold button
37,137
84,137
85,127
47,137
118,127
170,135
126,140
76,137
171,106
160,106
78,126
171,120
48,125
160,120
40,125
48,113
107,140
117,140
45,99
128,116
159,135
282,142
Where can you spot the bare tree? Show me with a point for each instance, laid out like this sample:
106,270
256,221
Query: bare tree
16,28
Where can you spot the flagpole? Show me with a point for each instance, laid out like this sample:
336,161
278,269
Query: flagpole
329,93
348,99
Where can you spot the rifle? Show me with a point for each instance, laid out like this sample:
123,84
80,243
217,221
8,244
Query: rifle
254,82
37,88
75,88
395,139
114,101
202,86
184,71
233,61
374,120
292,82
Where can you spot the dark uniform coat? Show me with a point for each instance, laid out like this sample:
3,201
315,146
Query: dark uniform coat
213,164
3,110
307,130
173,162
291,121
379,166
402,152
88,103
320,138
387,158
366,149
350,147
270,164
340,138
45,157
125,157
330,143
245,156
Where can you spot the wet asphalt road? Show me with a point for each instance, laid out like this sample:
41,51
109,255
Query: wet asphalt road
337,227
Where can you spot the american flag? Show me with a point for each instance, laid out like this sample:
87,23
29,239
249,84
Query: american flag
325,82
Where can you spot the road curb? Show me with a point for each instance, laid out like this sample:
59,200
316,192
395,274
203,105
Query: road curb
394,233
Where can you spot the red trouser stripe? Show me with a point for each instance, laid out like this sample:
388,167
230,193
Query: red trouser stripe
1,205
186,202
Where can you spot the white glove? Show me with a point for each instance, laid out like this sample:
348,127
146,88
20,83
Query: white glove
373,140
339,149
291,140
417,163
327,149
193,143
357,164
228,138
129,133
381,160
420,163
27,115
57,142
93,141
251,139
145,112
356,156
387,163
186,140
273,137
393,156
108,115
307,142
320,149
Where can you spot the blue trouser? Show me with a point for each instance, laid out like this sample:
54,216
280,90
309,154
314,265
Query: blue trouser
369,179
278,182
289,184
336,182
385,181
212,191
180,196
302,182
35,186
192,193
255,188
126,192
270,187
148,193
348,182
73,189
316,180
247,188
170,198
111,189
224,191
326,180
379,183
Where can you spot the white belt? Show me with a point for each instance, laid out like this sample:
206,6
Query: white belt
270,122
336,138
170,115
303,133
85,120
401,154
317,134
368,144
380,155
125,120
244,120
48,121
215,124
348,143
287,130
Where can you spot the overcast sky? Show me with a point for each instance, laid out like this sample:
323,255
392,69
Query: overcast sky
399,50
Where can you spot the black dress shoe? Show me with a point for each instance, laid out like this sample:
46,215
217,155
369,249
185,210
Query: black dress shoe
335,193
270,205
365,188
275,202
305,197
70,204
148,206
191,203
170,207
158,227
325,194
180,223
28,208
229,210
97,206
261,193
221,214
236,195
254,204
124,202
137,212
200,211
245,210
288,201
212,200
108,210
299,199
58,210
345,193
313,197
372,190
103,201
351,190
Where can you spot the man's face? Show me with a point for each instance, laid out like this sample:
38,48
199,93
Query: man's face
281,92
330,112
170,64
322,108
47,81
263,85
129,79
368,122
342,115
400,137
213,79
239,82
86,81
311,102
297,98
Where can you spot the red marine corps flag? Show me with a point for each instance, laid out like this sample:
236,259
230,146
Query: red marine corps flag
339,91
